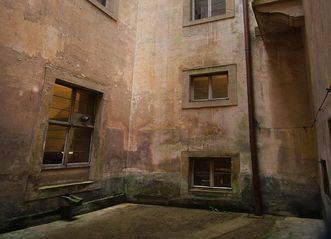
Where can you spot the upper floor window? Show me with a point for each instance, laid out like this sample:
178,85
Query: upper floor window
210,87
202,11
70,126
210,172
207,8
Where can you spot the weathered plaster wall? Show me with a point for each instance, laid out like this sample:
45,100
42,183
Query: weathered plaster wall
163,134
318,41
76,38
143,56
286,141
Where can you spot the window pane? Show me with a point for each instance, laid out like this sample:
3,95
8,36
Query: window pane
218,7
222,180
55,141
80,139
103,2
222,172
61,102
219,85
200,87
201,172
84,102
200,9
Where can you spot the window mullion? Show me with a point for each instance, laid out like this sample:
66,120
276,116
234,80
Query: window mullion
192,172
210,89
209,8
193,9
67,145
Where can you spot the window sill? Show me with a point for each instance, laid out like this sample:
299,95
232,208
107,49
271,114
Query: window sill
104,9
56,186
211,191
59,167
209,19
208,103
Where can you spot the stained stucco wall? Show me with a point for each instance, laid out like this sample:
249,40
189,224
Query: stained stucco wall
287,151
77,40
163,134
318,41
143,56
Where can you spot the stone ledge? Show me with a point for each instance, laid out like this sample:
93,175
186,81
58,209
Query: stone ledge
54,186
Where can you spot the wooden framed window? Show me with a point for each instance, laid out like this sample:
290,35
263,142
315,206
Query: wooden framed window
211,172
207,8
209,87
70,126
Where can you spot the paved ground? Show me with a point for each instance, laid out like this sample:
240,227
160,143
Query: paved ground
143,221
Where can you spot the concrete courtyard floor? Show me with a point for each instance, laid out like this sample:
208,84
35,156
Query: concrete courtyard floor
145,221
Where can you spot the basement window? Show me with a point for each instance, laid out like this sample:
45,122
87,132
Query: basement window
70,126
325,178
211,172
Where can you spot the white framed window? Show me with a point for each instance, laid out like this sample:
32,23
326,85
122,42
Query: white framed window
207,8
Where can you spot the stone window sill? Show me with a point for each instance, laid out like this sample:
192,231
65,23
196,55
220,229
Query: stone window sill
56,186
207,20
204,191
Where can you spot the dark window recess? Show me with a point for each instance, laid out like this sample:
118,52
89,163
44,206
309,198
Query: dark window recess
325,176
210,172
209,87
218,7
71,124
103,2
208,8
200,9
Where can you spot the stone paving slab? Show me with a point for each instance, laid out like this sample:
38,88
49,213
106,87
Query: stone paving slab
146,221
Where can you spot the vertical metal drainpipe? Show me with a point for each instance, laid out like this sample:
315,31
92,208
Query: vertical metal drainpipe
251,112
